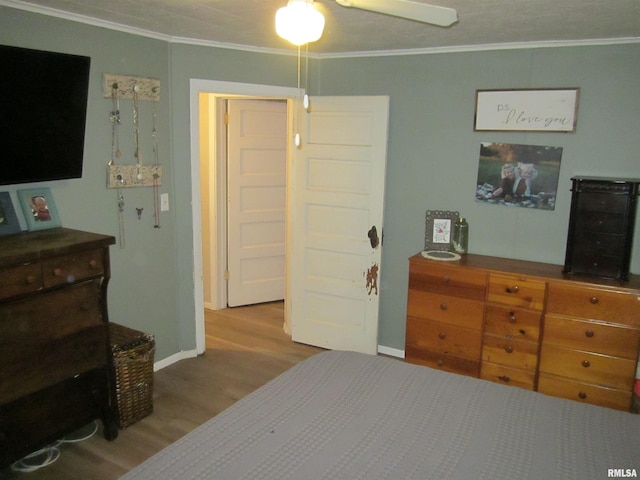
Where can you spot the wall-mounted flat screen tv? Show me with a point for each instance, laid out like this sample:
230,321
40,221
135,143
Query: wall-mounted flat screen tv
43,102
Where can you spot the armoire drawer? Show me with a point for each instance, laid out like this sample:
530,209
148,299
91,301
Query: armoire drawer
584,392
513,322
470,284
592,336
20,280
445,338
506,375
510,352
517,291
595,368
442,361
72,268
594,303
454,310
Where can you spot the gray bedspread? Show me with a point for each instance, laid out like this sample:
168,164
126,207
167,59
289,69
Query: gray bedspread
344,415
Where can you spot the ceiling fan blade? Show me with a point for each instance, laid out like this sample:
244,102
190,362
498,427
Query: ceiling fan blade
420,12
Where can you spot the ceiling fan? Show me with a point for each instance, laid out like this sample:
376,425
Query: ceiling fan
419,12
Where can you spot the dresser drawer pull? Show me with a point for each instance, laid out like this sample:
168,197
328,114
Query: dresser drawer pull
31,279
57,272
513,289
589,333
445,279
504,378
442,335
443,306
508,349
440,362
93,263
512,317
593,300
582,395
586,363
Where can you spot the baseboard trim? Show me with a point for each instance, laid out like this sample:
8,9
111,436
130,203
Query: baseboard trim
176,357
392,352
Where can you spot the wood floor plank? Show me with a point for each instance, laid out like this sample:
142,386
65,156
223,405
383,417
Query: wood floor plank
246,347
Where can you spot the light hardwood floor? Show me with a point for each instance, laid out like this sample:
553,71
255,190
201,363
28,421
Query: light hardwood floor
246,347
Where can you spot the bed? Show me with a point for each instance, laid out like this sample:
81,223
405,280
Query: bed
346,415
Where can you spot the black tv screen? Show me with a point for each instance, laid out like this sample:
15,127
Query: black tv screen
43,100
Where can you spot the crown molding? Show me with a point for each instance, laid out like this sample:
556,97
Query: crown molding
274,51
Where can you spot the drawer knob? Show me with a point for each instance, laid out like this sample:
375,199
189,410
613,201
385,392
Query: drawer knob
504,378
442,335
445,279
508,349
512,317
593,300
443,306
589,333
57,272
586,363
513,289
582,395
93,263
440,362
30,280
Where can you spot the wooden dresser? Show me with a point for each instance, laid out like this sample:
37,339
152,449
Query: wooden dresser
526,324
54,347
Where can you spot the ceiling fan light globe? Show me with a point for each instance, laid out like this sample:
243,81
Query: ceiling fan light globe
299,22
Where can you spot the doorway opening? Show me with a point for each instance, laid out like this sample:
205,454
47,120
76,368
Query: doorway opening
207,120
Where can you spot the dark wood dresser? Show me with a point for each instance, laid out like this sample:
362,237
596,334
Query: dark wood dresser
601,225
526,324
55,359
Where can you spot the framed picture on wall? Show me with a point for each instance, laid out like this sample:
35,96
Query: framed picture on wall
439,229
39,208
8,219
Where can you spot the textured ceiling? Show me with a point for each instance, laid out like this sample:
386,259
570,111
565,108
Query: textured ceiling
250,23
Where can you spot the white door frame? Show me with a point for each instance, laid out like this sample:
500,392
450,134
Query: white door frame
222,89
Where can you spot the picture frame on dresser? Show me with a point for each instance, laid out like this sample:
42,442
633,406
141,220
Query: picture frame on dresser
9,223
439,229
39,208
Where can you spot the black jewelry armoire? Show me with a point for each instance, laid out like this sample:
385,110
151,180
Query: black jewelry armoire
601,224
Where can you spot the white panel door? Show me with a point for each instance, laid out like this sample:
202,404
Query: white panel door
257,140
338,194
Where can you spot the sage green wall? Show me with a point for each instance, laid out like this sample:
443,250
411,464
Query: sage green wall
432,156
143,289
433,150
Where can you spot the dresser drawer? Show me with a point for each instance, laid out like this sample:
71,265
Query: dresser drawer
73,267
584,392
508,375
442,361
603,222
20,279
507,351
445,338
513,322
602,370
453,310
517,291
44,342
602,202
456,281
594,303
601,243
592,336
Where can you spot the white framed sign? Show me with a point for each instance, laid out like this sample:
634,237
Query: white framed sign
539,110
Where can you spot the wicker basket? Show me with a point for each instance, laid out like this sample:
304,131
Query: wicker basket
133,363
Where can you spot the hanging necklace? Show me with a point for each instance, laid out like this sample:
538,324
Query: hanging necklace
115,152
156,162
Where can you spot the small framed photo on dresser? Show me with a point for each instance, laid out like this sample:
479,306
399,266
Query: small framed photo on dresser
9,223
39,208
